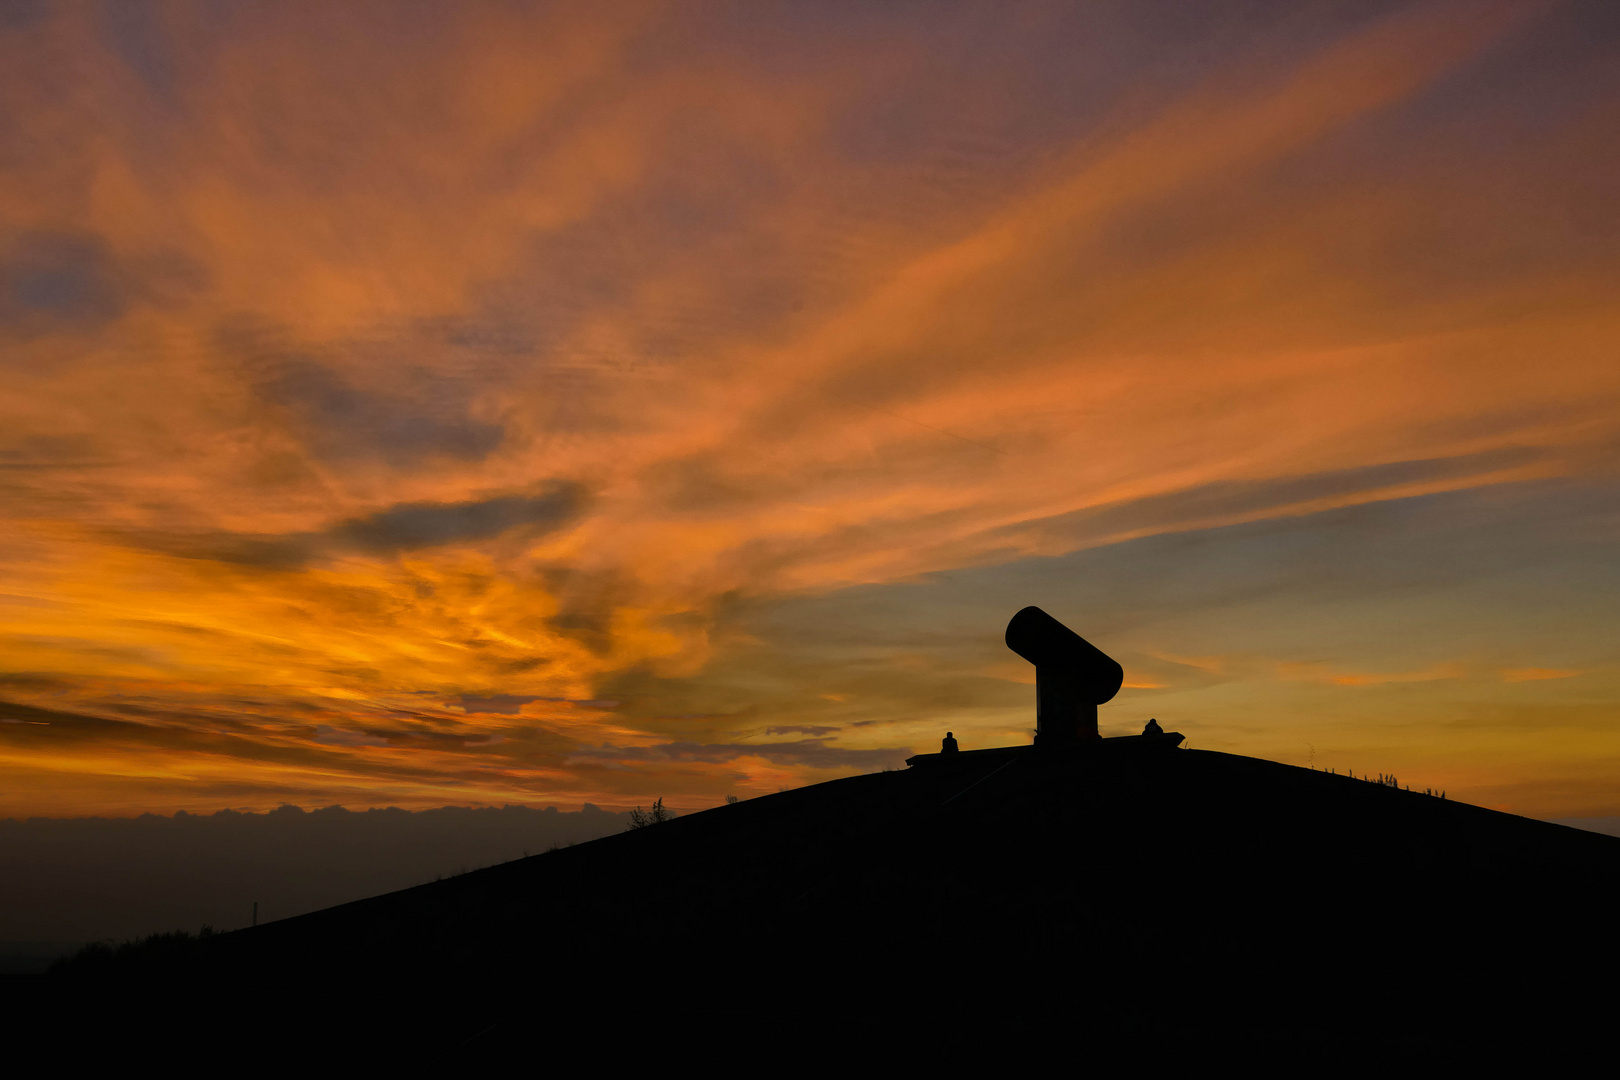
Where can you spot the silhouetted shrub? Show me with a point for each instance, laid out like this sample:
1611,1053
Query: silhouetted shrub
640,819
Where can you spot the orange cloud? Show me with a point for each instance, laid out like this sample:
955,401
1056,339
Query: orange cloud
1536,674
362,363
1322,673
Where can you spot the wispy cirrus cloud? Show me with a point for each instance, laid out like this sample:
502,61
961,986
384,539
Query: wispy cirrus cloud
506,360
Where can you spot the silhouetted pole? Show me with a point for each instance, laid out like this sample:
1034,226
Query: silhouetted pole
255,913
1072,677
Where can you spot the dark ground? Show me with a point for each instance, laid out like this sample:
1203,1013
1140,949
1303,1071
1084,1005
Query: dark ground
1183,905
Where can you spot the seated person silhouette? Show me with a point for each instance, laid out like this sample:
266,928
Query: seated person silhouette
947,745
1153,728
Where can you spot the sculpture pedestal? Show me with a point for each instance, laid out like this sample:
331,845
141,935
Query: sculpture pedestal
1119,744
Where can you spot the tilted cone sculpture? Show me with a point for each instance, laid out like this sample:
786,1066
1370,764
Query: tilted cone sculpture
1072,678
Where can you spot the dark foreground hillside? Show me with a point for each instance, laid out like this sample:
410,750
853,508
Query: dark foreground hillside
1180,904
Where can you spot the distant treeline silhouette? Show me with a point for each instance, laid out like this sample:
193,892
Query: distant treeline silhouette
74,880
167,947
149,950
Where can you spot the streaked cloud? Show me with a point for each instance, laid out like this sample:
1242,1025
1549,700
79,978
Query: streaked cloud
407,404
1322,673
1536,674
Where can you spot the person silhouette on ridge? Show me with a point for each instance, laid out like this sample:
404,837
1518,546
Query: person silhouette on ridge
1153,728
947,745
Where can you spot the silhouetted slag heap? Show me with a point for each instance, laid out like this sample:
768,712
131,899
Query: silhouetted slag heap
1239,909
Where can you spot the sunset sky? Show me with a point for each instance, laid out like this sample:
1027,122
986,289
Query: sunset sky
478,403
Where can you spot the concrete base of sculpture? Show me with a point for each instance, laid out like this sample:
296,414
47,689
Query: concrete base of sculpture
1119,744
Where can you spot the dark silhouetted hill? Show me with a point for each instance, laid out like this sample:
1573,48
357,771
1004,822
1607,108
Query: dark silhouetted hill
1179,905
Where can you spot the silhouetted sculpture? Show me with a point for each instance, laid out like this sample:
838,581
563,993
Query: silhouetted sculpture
1072,677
